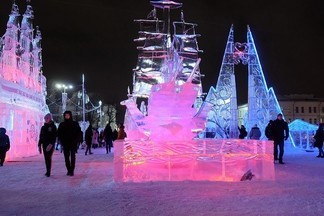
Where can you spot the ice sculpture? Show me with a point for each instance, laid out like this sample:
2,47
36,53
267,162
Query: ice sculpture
22,85
195,160
163,143
220,105
160,54
302,134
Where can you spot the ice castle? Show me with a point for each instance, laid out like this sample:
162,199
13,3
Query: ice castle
166,136
22,84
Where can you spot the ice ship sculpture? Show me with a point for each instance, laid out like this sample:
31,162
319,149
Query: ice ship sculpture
162,143
164,56
22,84
166,63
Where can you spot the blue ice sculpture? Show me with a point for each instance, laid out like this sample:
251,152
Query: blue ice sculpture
220,106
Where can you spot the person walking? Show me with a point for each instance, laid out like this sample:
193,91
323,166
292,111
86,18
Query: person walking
88,139
95,135
255,133
108,136
47,139
4,145
243,132
319,138
280,133
69,136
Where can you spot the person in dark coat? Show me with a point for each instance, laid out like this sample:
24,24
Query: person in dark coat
88,139
4,145
268,130
108,136
243,132
121,132
319,138
255,133
47,139
280,133
69,136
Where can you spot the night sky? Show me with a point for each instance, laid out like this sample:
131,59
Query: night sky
95,37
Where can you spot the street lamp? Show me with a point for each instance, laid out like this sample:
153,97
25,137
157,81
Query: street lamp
64,94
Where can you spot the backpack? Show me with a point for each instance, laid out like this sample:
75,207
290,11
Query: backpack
268,131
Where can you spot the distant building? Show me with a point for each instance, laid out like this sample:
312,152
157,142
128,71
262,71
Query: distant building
304,107
242,114
295,106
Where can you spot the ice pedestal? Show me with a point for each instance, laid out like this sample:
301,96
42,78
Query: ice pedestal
195,160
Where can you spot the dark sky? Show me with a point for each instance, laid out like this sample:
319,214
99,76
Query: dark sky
95,37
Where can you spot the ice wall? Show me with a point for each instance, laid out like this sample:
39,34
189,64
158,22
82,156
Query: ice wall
23,127
196,160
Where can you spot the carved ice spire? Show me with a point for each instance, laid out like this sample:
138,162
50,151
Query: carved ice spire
37,49
10,39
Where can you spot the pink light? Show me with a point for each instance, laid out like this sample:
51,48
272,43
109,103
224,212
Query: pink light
196,160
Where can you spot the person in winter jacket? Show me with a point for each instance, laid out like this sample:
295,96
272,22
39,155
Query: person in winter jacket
88,139
121,132
280,132
69,135
255,133
4,145
243,132
108,136
47,139
319,138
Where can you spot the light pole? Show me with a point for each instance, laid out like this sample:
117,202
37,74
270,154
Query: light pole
64,94
100,103
83,109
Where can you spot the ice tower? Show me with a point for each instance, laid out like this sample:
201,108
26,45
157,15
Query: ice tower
22,84
220,105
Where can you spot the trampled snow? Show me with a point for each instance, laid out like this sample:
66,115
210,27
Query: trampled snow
297,190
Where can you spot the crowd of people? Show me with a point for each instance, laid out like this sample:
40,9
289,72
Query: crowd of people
69,136
276,130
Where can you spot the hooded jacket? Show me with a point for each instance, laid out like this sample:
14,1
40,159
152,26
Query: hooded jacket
255,133
280,130
88,135
47,134
69,132
4,140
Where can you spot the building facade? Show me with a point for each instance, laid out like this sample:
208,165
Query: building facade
304,107
295,106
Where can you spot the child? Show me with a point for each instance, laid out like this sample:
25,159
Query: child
4,145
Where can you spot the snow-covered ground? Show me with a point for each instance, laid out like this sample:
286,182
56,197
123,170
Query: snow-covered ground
24,190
